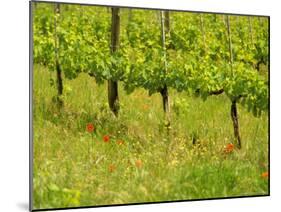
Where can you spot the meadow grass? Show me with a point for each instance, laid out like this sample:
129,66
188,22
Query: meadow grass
141,162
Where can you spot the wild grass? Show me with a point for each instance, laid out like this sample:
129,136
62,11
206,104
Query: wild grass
141,162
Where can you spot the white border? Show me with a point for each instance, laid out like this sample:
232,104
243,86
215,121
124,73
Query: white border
226,6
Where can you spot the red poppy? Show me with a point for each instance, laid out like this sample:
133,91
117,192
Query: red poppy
120,142
138,163
90,127
264,175
229,148
111,168
145,107
106,138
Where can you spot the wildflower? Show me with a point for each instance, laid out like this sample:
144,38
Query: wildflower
90,127
264,175
229,148
120,142
138,163
106,138
111,168
145,107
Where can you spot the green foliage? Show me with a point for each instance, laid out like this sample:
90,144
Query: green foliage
43,37
197,51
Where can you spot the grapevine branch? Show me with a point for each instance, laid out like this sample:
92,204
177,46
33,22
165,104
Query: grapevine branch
229,44
165,31
57,64
233,109
217,92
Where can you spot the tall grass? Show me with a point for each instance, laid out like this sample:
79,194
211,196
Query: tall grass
140,163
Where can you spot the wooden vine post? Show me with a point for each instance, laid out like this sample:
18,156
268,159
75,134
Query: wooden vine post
130,15
57,64
113,99
251,30
229,44
202,31
165,33
233,110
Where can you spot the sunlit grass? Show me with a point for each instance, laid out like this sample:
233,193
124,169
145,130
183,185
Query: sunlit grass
140,162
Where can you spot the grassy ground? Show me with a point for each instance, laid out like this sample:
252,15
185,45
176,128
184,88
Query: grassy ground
140,162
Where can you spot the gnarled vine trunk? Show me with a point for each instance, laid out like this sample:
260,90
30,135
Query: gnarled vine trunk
57,64
234,116
166,104
113,99
233,110
165,27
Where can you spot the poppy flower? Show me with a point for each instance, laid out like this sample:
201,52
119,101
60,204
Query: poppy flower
111,168
145,107
120,142
138,163
264,175
90,127
229,148
106,138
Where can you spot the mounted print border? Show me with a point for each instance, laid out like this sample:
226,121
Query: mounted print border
138,105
